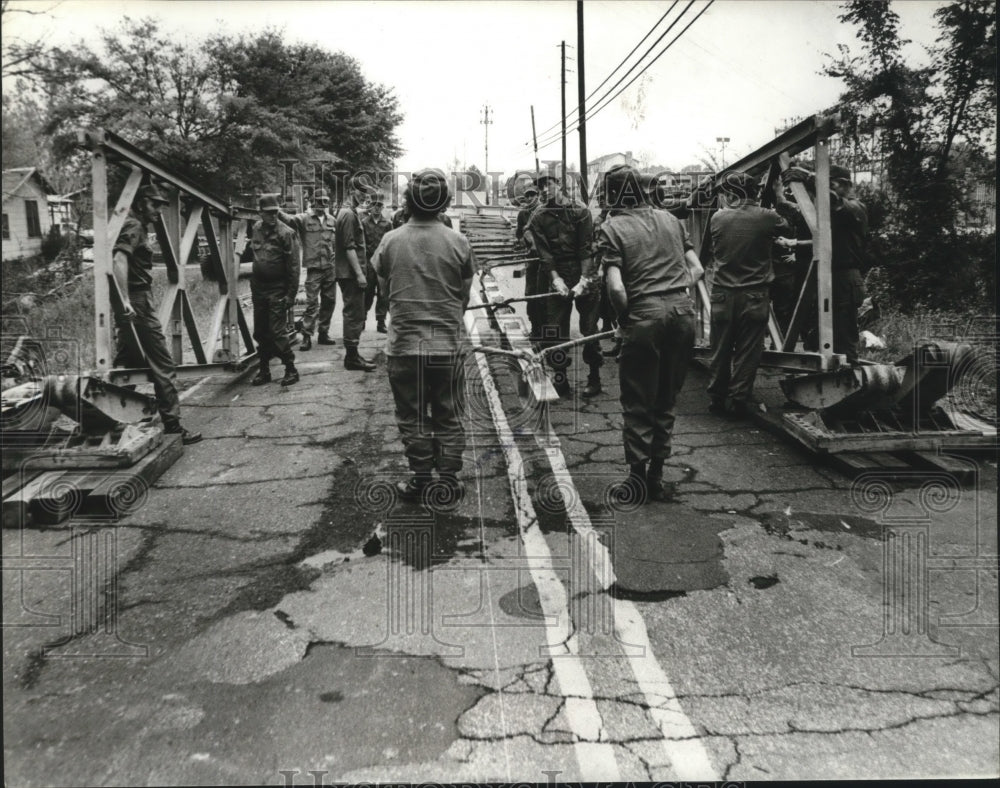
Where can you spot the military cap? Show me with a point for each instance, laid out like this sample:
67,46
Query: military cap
268,202
738,182
321,194
543,179
624,186
838,173
429,190
530,189
150,192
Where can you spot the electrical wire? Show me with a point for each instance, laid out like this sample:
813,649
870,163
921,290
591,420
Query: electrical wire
576,109
623,89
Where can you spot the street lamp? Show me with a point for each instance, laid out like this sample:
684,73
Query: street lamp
486,121
722,141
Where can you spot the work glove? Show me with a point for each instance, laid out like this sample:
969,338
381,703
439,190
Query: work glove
797,175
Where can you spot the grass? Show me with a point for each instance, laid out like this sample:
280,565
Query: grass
65,323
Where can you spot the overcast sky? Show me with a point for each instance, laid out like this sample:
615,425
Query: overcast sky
741,69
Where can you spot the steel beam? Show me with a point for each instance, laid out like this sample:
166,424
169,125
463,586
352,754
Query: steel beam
112,144
795,140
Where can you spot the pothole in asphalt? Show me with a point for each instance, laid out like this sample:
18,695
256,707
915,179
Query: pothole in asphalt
522,602
782,524
423,538
661,550
763,581
307,716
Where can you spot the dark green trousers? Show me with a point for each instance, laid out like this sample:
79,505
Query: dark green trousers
161,364
429,392
270,326
739,325
321,299
848,295
657,345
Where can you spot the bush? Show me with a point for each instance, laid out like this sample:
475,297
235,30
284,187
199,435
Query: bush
52,244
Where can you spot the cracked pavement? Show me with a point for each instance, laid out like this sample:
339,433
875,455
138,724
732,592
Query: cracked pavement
255,637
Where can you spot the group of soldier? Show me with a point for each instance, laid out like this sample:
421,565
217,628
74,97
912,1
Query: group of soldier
635,267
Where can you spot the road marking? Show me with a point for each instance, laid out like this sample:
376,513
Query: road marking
493,632
681,742
595,758
188,392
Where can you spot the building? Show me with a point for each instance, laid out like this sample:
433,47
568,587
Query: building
597,167
26,217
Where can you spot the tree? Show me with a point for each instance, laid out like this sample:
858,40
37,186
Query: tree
225,112
924,115
474,179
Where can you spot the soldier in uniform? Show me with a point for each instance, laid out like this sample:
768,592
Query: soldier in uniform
561,233
650,264
132,265
848,236
273,286
536,309
375,225
743,234
315,229
349,246
426,272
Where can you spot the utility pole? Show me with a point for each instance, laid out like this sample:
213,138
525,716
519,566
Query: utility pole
486,121
562,47
534,139
722,141
583,101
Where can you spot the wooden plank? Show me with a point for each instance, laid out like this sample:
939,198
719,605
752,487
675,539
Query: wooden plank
17,509
116,494
963,471
16,480
61,498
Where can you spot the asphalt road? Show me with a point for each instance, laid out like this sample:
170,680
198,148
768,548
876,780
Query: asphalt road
269,614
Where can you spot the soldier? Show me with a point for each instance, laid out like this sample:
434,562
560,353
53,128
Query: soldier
132,265
273,286
315,229
650,264
742,236
350,251
561,232
536,309
375,225
848,236
426,272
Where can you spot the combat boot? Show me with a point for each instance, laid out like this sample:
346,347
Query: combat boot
560,382
631,490
263,375
380,327
355,361
187,437
655,487
324,339
307,342
593,384
291,376
412,490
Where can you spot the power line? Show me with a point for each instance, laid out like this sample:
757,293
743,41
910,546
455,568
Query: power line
612,72
648,65
644,55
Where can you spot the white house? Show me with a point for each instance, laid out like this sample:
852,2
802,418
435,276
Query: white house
26,217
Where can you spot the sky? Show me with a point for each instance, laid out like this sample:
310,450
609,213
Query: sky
739,71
